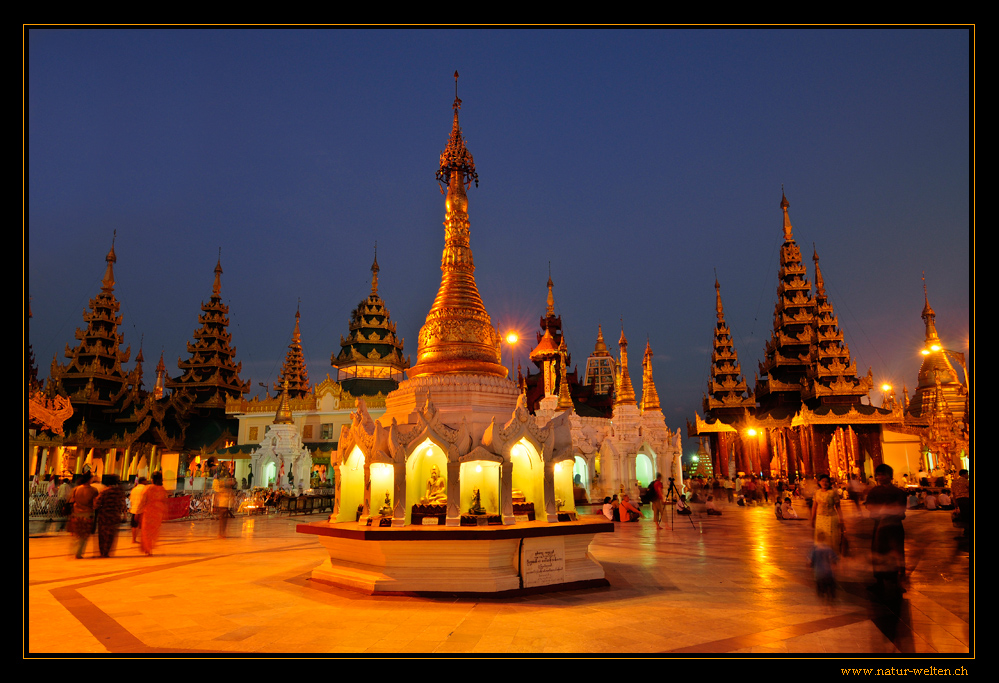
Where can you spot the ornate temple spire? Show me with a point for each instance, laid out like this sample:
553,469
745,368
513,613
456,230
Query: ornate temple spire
294,377
727,394
820,287
625,392
210,375
458,336
283,415
158,388
94,379
550,310
564,397
374,273
784,204
787,353
929,318
217,287
107,283
650,397
831,376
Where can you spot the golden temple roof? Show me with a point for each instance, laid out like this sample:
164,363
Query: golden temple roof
458,336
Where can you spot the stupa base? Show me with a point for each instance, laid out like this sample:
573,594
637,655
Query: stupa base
520,558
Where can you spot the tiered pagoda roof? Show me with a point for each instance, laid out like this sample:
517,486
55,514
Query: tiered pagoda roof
294,377
831,377
787,355
210,375
370,361
94,379
727,394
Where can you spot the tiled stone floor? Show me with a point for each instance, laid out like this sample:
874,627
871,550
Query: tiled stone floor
735,584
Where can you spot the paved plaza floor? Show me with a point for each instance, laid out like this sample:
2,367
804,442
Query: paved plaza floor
731,585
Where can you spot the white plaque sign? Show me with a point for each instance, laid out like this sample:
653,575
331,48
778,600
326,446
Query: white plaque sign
542,561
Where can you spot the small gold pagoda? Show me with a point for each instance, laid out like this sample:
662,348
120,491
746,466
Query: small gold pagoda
458,336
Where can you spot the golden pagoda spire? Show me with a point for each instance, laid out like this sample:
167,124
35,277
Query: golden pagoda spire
787,219
458,336
283,414
625,392
650,397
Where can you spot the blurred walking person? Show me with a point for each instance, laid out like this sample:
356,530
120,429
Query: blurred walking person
153,510
134,500
81,519
886,505
109,507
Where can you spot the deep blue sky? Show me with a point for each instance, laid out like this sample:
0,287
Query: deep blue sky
637,162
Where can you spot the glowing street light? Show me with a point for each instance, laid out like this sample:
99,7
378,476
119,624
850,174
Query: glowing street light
512,338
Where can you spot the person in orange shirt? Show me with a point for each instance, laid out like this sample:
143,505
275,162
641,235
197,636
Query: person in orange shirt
629,513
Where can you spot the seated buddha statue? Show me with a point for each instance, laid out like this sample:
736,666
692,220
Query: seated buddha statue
436,489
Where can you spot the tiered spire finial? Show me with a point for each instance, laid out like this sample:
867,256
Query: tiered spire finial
456,160
374,273
784,204
650,396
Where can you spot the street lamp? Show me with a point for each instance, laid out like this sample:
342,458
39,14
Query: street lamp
511,339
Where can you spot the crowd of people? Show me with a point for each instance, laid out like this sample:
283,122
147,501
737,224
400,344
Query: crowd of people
882,501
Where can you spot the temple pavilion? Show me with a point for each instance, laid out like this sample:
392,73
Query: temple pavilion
808,415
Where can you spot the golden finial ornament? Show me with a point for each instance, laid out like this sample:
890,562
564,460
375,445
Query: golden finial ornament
458,336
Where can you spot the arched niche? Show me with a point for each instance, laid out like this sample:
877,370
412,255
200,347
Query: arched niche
485,476
528,474
581,469
645,469
382,484
419,465
351,486
270,473
563,485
